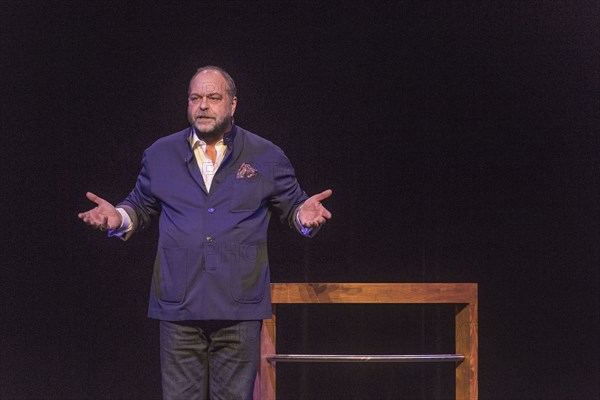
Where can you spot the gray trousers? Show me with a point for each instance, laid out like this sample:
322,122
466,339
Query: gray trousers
209,360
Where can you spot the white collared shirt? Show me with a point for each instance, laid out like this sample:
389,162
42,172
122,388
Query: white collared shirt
208,169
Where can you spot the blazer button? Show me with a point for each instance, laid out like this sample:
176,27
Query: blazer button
211,210
209,239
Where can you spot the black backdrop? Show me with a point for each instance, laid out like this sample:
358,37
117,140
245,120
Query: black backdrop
460,140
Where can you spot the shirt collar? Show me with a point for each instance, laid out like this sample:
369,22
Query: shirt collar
196,141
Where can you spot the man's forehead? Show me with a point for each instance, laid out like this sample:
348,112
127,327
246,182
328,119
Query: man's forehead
208,81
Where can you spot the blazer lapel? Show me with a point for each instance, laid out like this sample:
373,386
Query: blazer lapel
195,173
235,144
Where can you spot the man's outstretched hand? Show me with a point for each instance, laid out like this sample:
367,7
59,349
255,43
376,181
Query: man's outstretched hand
312,213
104,216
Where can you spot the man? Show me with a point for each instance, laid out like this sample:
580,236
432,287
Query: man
213,187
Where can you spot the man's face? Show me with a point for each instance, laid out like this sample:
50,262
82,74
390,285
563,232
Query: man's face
210,108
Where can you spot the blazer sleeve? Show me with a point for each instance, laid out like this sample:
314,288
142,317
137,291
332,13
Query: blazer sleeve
287,195
140,204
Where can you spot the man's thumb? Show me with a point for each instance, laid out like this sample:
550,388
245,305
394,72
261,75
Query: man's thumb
92,197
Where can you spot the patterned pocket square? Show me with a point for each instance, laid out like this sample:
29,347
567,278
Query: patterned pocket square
246,171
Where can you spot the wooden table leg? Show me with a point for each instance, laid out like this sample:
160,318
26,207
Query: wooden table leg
466,343
264,388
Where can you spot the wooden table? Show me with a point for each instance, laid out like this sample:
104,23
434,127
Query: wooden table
464,295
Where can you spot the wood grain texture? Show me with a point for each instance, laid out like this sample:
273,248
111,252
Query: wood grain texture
397,293
466,338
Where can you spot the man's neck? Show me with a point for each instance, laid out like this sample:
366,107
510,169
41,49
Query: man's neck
211,140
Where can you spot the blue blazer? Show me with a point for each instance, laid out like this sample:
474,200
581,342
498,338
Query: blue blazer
212,260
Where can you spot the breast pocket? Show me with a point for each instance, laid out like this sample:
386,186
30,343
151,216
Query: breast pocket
246,194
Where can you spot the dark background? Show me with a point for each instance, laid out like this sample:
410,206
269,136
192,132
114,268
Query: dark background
460,140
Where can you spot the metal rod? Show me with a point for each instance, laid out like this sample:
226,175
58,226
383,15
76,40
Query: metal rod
395,358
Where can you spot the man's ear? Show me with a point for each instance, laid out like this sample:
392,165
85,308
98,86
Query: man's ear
233,106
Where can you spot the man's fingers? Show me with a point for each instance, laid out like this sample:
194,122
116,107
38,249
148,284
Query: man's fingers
316,222
104,224
94,219
319,219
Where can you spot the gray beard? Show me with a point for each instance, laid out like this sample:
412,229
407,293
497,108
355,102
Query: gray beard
217,133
